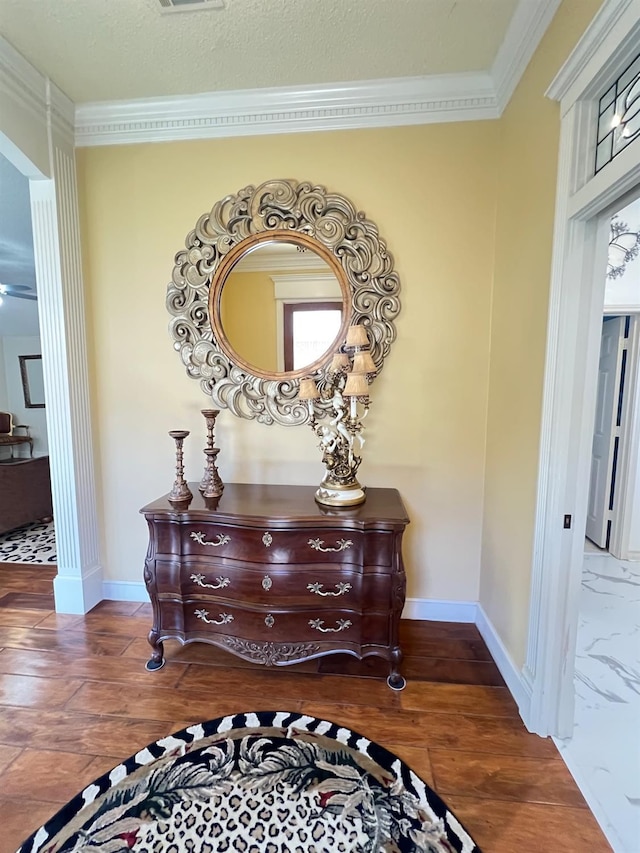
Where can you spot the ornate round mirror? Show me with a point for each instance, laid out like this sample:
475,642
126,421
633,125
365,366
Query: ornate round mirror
266,288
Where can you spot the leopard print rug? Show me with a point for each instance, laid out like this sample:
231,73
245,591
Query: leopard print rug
265,782
33,543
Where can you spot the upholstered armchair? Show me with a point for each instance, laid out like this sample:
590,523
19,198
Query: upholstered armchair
8,437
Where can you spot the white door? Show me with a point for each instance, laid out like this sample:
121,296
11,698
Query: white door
606,431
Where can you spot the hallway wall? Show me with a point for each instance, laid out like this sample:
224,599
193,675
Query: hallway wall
431,192
529,139
12,347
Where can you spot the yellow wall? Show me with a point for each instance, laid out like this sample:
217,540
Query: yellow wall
467,210
248,314
528,149
431,190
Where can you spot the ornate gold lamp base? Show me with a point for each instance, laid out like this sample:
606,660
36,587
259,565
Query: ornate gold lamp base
331,493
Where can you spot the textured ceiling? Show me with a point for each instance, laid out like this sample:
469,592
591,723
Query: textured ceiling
121,49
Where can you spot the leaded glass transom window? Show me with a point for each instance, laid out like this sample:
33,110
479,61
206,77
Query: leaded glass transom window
619,115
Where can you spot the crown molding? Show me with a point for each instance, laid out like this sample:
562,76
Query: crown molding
61,113
34,93
526,29
20,80
341,106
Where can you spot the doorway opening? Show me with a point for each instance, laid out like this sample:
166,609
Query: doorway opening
48,164
27,534
603,751
613,512
585,202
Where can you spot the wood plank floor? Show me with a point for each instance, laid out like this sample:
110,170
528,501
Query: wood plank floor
75,699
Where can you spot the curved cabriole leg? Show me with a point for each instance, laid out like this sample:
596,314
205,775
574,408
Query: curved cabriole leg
157,653
395,680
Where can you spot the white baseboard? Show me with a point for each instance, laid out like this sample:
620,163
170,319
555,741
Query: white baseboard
634,556
76,594
517,684
439,611
472,611
124,591
415,608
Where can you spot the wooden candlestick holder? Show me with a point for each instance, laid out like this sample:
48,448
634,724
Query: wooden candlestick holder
180,493
211,485
215,486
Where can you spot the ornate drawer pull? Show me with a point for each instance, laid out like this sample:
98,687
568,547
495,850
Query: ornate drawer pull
267,583
219,584
224,619
342,625
341,545
199,538
269,621
267,539
342,588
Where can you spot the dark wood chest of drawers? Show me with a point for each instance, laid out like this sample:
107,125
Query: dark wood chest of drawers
268,574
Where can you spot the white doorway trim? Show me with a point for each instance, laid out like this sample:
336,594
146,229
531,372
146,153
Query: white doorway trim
583,206
36,134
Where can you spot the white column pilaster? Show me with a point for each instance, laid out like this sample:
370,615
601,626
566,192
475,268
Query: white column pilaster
56,235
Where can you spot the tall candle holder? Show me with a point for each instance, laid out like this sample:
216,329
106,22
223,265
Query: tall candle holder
215,486
180,493
211,485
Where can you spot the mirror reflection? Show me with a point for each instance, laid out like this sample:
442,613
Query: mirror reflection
281,307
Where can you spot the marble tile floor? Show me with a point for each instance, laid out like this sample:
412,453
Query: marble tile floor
603,754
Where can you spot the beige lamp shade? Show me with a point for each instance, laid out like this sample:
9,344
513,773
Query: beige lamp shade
357,336
308,390
364,363
356,385
340,360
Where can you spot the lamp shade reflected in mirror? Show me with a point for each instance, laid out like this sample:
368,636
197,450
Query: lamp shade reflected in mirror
281,308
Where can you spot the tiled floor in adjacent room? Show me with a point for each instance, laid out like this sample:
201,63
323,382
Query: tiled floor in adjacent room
604,751
76,700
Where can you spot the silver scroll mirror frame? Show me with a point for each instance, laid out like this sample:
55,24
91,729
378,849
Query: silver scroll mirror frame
288,211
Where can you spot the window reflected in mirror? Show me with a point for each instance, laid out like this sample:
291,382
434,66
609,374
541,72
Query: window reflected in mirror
281,307
310,328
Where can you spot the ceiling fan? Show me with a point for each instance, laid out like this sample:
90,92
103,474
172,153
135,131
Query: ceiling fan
21,291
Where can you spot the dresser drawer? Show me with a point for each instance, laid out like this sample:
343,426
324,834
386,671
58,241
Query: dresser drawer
318,586
339,627
235,626
194,618
273,546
